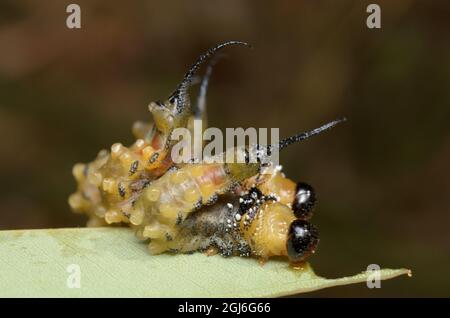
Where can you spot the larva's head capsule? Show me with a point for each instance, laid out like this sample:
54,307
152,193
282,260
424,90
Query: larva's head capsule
302,240
304,201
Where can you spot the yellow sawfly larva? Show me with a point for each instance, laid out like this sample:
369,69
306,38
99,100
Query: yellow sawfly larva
118,176
230,208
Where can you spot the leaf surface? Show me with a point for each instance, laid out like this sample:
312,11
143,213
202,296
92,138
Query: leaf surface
113,263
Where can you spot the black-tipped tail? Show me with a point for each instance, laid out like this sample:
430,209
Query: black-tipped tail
305,135
181,91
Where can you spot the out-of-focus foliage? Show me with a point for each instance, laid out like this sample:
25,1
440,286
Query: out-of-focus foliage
382,178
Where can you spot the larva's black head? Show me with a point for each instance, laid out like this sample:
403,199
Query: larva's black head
304,201
303,238
180,96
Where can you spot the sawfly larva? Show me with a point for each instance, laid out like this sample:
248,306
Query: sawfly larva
116,178
229,208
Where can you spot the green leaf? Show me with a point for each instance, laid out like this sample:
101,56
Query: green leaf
112,263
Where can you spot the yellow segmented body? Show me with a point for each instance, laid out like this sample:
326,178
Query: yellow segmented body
115,178
231,208
168,201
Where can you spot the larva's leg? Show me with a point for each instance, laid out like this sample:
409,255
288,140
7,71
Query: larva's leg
211,251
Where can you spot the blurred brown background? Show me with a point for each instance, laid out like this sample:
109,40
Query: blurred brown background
382,178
